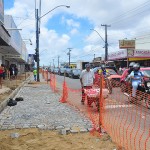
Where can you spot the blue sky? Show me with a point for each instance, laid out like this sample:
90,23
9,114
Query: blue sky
64,28
8,4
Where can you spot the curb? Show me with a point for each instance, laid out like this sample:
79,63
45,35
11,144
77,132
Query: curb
12,95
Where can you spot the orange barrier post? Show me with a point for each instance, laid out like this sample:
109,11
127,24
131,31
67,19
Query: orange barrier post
47,76
64,94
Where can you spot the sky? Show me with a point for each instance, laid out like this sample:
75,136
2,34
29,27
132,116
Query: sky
65,28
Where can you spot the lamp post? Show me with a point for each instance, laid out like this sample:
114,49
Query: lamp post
69,55
28,40
106,44
12,28
37,34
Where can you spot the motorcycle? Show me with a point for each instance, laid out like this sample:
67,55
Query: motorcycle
142,93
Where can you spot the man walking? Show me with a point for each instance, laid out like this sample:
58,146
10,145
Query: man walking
87,79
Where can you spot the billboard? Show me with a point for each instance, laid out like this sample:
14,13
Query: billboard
1,12
123,44
117,55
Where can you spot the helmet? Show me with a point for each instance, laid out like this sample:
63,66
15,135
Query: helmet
103,66
136,67
131,64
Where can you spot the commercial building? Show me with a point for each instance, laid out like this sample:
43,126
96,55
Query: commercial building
135,51
12,48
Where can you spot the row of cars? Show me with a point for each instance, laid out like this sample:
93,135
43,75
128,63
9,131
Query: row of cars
68,72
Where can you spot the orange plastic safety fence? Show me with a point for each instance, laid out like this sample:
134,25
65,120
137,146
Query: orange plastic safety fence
124,118
53,82
45,75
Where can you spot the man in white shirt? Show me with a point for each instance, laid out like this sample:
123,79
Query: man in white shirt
87,79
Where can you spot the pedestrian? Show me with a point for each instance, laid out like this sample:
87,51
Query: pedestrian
35,73
87,80
11,71
15,71
1,74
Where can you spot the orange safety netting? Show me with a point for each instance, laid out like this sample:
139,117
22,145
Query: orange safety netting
125,119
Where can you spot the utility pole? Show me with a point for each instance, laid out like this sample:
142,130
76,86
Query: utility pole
53,63
106,43
37,44
69,55
58,61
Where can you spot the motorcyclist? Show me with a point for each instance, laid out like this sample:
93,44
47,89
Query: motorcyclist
131,67
129,71
136,78
103,70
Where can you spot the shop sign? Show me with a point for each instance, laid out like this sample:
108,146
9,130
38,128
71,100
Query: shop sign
138,53
126,44
1,12
117,55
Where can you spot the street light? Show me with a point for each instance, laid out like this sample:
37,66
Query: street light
69,55
12,29
28,40
37,34
106,44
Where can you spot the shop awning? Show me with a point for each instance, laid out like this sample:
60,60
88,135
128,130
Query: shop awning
136,59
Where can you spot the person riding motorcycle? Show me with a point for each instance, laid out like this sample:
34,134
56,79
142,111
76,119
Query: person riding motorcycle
129,71
103,70
136,78
131,67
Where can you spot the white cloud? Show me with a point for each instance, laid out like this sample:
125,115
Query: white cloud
129,25
74,31
72,23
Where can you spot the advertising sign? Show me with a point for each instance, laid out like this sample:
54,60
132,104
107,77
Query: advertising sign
126,44
117,55
142,53
1,12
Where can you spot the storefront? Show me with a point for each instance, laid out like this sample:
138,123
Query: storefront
124,57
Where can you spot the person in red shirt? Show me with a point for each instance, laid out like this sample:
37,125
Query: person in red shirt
1,74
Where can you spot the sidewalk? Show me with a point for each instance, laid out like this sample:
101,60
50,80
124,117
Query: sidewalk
41,109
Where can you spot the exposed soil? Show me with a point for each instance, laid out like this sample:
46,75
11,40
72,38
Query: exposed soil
34,139
11,85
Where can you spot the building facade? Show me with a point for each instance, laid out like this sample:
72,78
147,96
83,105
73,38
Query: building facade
12,48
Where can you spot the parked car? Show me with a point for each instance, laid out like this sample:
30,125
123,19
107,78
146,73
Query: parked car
112,76
68,71
62,71
74,73
56,70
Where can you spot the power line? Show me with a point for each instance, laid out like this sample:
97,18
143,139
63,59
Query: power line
129,12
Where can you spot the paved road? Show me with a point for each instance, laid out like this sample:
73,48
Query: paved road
127,123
